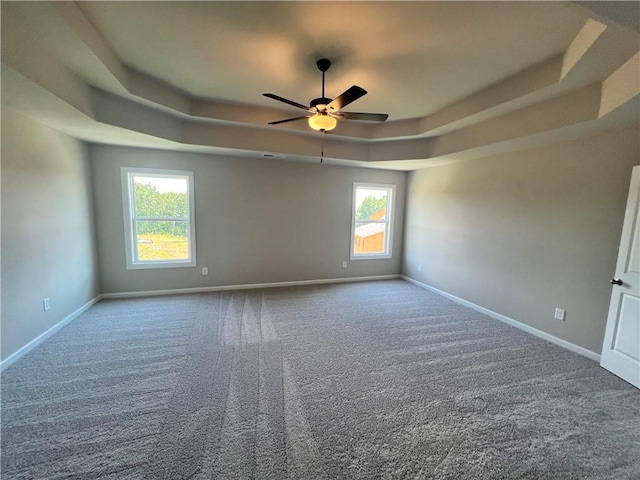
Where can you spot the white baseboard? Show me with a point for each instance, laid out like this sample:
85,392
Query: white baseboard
249,286
11,359
522,326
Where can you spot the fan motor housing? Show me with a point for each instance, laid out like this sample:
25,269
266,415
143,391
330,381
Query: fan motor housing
320,101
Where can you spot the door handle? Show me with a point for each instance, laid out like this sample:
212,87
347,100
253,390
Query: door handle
616,281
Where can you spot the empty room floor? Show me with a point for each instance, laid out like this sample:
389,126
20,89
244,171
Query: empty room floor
371,380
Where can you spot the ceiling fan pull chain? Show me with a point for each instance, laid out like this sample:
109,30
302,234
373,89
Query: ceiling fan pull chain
322,150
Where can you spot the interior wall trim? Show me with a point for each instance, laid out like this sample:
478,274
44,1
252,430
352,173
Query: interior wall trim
11,359
498,316
248,286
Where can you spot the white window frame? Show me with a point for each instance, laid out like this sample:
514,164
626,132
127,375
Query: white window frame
391,195
131,245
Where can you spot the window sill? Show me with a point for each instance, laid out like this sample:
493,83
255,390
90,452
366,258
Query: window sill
152,265
371,257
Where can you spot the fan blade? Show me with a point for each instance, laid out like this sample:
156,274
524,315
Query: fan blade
351,95
290,102
370,117
288,120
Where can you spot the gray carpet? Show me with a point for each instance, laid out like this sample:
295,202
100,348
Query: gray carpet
375,380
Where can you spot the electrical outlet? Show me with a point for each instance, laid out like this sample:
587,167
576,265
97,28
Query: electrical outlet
344,264
205,270
419,268
559,315
46,304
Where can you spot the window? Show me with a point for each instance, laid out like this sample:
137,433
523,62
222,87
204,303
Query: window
159,222
371,227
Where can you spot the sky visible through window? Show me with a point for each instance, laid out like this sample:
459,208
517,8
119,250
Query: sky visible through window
164,184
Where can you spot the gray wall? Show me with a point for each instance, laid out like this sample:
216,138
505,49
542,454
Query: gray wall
523,233
257,220
48,244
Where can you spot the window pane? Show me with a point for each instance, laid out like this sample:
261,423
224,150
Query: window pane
371,204
162,240
369,238
161,197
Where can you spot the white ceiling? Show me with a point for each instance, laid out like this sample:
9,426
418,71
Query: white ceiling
211,61
413,57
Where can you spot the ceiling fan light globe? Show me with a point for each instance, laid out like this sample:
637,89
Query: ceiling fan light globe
322,122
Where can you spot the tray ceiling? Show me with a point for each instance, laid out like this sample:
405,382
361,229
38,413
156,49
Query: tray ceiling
452,75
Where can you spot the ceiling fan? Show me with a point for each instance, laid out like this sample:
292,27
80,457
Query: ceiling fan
324,112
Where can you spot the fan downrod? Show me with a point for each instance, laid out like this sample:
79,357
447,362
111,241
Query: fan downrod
323,65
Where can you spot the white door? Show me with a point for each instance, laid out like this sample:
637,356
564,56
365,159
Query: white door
621,347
